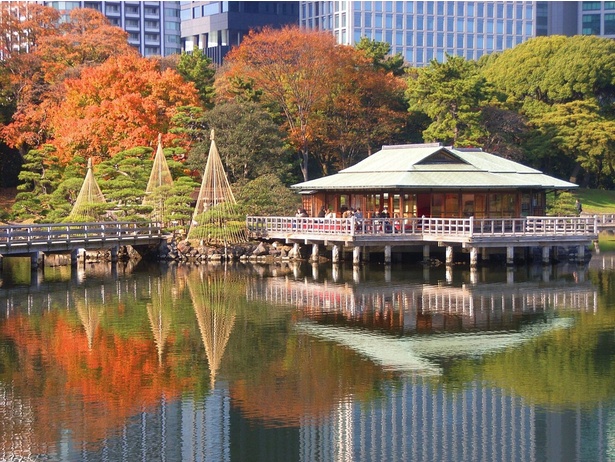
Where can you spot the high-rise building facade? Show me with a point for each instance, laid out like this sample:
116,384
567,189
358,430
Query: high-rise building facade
154,28
424,30
596,18
216,27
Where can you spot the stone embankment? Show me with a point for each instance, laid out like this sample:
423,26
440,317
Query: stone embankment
186,251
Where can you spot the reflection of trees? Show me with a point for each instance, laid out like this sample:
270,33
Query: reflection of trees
89,313
307,381
570,368
159,318
215,297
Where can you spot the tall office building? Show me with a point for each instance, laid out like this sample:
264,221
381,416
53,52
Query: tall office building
424,30
216,27
596,18
154,28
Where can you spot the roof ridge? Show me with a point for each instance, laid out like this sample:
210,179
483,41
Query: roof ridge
417,145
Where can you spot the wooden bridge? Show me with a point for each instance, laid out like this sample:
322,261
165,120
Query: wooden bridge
470,234
36,240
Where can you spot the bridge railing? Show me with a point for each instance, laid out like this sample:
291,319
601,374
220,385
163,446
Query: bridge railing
432,227
20,234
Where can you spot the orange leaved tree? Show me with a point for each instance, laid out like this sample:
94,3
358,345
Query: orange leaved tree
292,69
122,103
39,52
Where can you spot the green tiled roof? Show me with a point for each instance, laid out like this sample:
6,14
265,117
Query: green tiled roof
431,166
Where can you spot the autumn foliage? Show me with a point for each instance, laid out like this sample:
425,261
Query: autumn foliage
120,104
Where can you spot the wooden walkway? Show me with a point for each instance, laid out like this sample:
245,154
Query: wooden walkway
469,233
35,239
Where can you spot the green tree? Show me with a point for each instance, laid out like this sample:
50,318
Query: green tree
179,206
123,180
451,94
379,53
63,198
565,88
267,195
40,175
197,68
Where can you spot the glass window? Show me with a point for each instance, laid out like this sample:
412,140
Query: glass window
389,7
459,25
479,26
470,25
430,23
440,8
440,40
368,20
490,26
197,12
429,7
591,24
399,21
378,22
440,24
399,7
409,55
609,5
490,10
409,39
609,24
419,8
509,11
460,41
399,37
500,11
409,22
509,26
470,41
409,7
419,23
430,39
389,21
367,6
591,6
529,12
186,14
450,24
480,10
377,6
500,28
450,40
357,19
480,42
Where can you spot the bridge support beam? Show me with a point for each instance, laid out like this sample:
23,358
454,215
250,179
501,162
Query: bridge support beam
510,255
473,257
37,259
545,254
356,255
335,253
449,254
581,254
426,252
114,252
315,253
387,254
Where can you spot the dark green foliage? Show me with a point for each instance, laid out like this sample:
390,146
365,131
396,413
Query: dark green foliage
451,94
40,175
123,180
378,52
268,196
561,204
197,68
179,206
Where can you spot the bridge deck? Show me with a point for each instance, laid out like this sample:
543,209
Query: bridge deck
468,232
18,240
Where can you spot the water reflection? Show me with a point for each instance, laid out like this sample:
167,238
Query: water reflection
296,362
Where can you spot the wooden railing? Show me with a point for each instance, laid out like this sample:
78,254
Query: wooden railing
25,237
425,227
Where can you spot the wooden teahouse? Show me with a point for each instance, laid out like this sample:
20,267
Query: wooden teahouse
431,180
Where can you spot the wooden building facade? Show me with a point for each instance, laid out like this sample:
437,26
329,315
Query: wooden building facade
430,180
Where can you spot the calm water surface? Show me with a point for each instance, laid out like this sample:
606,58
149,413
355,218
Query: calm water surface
308,363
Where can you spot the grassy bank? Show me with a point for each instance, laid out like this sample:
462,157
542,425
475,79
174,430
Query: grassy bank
596,200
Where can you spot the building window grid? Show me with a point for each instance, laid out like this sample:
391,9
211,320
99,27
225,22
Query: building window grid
509,32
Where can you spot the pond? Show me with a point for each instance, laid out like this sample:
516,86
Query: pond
300,362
